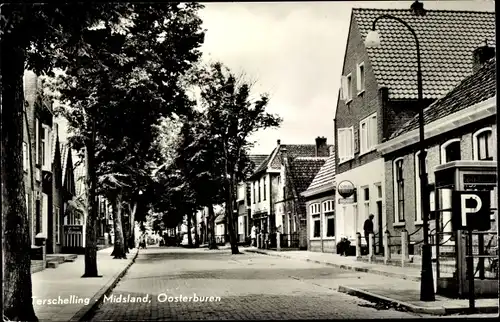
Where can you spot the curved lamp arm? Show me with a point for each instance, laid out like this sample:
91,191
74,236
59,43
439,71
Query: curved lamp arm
419,70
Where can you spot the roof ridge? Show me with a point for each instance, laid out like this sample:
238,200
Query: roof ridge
427,10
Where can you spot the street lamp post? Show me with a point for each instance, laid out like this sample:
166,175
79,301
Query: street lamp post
373,40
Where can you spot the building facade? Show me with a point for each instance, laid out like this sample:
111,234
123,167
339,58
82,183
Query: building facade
275,195
379,95
459,126
320,207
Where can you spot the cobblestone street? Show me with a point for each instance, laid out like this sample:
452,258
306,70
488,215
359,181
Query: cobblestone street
250,286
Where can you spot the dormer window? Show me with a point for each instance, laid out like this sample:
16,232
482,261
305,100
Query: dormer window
450,151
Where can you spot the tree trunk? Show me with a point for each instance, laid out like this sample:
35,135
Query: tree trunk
17,294
132,226
196,236
119,247
229,211
212,244
91,224
125,229
189,226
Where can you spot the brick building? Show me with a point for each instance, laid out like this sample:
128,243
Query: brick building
459,126
379,94
320,206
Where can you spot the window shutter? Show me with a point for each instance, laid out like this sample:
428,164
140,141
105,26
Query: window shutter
358,78
355,141
344,89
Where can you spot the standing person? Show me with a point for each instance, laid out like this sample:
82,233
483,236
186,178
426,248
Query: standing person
253,234
368,228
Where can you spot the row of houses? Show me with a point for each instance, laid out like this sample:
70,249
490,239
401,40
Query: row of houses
293,188
54,181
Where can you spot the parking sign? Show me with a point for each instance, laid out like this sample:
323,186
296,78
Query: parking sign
471,210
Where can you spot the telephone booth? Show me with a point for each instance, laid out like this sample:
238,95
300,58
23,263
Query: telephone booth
449,245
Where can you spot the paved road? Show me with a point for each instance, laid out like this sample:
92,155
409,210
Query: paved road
250,287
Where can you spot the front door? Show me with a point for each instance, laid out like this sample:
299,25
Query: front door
380,228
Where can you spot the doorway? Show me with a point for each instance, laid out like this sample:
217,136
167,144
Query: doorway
380,228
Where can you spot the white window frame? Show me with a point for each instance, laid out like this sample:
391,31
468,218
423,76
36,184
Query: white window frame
37,141
25,156
369,139
366,203
396,221
475,145
443,149
418,206
360,81
346,83
343,137
328,207
46,162
315,215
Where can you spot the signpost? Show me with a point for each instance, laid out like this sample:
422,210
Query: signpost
471,211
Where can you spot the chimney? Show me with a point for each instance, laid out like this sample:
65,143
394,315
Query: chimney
481,55
322,149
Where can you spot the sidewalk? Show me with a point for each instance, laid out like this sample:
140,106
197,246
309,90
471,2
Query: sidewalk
349,263
82,294
403,292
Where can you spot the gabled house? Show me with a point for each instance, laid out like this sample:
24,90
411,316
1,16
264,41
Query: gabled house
243,200
320,207
379,95
291,214
459,126
268,186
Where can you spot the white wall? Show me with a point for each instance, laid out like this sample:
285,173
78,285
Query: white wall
350,217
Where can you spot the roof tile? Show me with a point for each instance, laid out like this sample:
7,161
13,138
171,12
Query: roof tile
447,40
474,89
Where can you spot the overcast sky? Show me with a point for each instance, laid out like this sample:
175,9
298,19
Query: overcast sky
295,52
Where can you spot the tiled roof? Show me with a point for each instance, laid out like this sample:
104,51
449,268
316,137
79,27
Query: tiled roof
303,170
472,90
65,153
447,40
325,176
292,151
257,159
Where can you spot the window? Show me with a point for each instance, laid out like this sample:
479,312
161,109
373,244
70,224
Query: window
58,225
329,218
482,144
368,133
264,188
25,156
253,191
346,83
37,141
418,202
450,151
366,201
379,191
346,143
399,191
45,148
315,220
258,189
360,78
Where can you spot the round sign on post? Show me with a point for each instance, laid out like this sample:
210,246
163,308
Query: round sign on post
345,188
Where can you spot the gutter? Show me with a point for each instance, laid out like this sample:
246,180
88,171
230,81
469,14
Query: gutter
448,123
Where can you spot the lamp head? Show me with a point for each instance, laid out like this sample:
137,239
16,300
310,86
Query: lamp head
372,39
140,192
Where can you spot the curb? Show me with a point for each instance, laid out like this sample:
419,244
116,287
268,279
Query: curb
95,301
343,266
436,310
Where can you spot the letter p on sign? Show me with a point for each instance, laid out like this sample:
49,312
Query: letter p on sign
471,210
